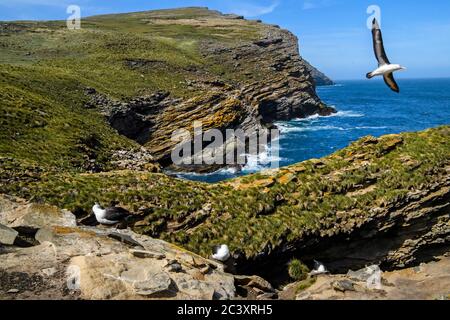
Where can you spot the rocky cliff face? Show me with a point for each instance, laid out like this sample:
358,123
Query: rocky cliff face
262,79
45,255
382,201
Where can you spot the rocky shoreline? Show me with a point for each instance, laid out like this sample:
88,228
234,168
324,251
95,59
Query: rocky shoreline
270,82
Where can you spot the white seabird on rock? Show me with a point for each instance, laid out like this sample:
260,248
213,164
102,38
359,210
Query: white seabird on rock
385,68
221,253
319,268
110,215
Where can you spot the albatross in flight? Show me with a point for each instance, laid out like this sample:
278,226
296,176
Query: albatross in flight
111,215
385,68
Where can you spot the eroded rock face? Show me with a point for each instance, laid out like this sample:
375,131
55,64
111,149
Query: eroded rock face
269,82
7,235
319,77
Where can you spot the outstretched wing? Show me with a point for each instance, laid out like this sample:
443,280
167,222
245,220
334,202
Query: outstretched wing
390,81
378,46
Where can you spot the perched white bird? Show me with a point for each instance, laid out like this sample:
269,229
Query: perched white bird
110,215
385,68
319,268
221,253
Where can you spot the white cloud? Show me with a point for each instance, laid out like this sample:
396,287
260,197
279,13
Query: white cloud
254,10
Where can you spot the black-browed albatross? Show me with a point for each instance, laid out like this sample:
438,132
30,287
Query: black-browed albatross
111,215
385,68
221,253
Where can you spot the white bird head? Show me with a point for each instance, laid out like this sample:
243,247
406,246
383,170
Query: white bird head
221,253
399,67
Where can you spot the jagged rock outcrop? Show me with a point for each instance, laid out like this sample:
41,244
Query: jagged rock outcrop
319,77
381,201
266,81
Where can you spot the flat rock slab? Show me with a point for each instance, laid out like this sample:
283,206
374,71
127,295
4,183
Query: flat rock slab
144,254
34,215
156,286
429,281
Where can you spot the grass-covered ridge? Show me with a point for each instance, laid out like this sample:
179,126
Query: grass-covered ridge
96,55
317,197
48,137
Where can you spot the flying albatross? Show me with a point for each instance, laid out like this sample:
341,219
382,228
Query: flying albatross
111,215
385,68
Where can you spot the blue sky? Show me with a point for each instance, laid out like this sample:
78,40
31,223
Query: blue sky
333,33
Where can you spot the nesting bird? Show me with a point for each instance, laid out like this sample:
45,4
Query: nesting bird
111,215
319,268
385,68
221,253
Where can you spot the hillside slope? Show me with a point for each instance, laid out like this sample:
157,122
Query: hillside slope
147,74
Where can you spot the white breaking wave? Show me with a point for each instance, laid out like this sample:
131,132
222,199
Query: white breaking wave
261,161
339,114
186,175
368,127
287,128
347,114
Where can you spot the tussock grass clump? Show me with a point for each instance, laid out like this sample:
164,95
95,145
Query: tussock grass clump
297,270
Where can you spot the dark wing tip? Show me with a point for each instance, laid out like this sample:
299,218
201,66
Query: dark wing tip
375,24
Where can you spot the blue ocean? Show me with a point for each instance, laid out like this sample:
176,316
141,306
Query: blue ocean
364,108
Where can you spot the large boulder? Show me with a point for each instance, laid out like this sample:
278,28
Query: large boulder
33,215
